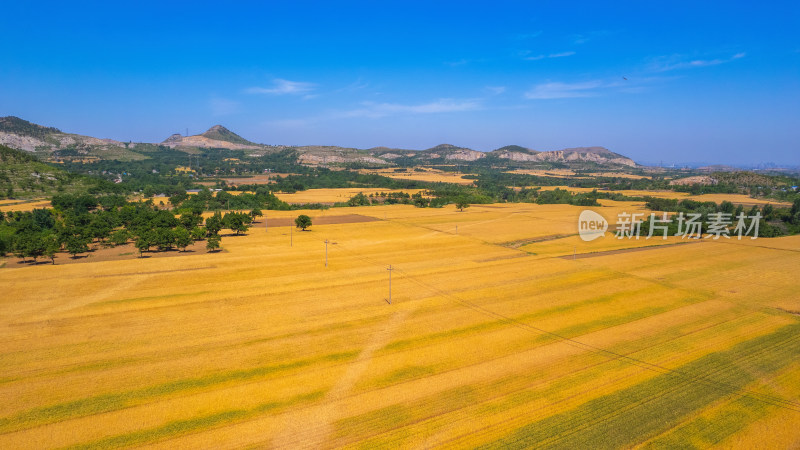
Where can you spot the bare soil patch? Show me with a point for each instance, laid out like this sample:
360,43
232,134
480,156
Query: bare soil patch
99,253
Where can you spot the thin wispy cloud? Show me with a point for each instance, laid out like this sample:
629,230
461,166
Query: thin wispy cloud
223,107
551,55
594,88
284,87
676,62
553,90
373,110
496,90
444,105
524,36
354,86
457,63
579,39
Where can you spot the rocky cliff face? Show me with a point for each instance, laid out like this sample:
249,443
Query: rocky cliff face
23,135
599,155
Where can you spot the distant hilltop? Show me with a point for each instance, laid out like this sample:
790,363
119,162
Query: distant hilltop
52,142
216,137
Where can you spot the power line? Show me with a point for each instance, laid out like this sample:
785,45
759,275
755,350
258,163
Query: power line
764,398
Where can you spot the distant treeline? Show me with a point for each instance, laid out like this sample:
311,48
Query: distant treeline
773,221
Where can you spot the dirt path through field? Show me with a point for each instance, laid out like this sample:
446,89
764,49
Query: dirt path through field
311,427
625,250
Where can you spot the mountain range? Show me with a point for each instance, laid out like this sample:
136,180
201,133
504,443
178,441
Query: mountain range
52,143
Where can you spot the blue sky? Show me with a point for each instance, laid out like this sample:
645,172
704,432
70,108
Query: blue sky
715,82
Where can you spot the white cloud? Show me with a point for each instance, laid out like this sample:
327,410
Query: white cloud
579,39
444,105
354,86
675,62
565,90
551,55
283,87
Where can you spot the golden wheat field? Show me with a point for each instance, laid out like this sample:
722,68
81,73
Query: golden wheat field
424,174
495,337
334,195
738,199
23,205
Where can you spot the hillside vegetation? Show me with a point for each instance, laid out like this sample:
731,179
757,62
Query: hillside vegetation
220,133
23,176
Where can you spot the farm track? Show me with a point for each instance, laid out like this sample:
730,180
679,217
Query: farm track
625,250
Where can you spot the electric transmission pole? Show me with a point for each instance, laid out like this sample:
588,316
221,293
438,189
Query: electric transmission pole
390,283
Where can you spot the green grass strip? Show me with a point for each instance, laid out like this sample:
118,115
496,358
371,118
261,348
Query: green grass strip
111,402
641,412
181,427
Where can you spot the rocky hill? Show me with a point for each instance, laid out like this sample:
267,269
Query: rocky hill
48,141
215,137
598,155
52,143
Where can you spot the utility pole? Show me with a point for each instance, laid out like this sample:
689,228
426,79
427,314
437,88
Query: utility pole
390,283
326,253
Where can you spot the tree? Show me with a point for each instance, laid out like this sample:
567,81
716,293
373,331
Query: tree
236,222
182,238
76,245
119,237
177,199
143,242
214,224
198,233
302,221
29,244
461,204
52,245
359,200
164,238
213,242
190,220
256,213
